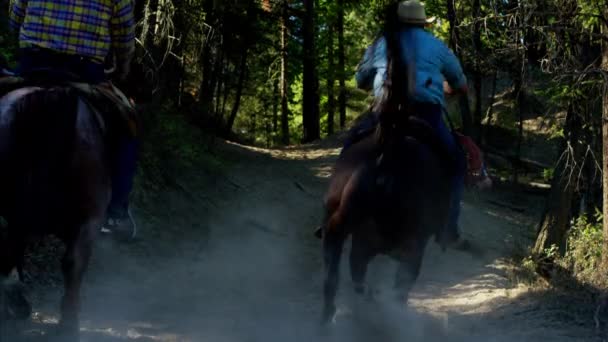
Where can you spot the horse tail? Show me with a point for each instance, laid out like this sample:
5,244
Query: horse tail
44,138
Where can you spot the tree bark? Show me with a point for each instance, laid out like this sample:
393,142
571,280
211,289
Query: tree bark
239,90
331,103
139,9
465,110
553,227
484,135
519,95
477,73
148,15
275,106
246,34
207,58
341,64
215,77
605,146
225,98
283,86
453,20
220,86
310,104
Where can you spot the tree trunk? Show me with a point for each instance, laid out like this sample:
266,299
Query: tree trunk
253,129
207,58
246,35
555,222
331,103
484,135
283,86
477,76
275,106
519,76
148,21
139,10
519,95
239,90
341,64
220,85
215,78
310,104
225,99
465,110
605,148
453,22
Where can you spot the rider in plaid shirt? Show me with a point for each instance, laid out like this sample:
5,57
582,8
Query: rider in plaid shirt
63,37
76,35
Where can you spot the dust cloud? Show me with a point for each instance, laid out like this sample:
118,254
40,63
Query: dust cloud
238,261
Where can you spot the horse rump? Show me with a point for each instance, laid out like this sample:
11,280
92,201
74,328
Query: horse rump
58,181
42,153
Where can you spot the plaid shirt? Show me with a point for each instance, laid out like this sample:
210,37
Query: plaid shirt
87,28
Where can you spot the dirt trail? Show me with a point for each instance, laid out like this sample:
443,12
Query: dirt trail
237,261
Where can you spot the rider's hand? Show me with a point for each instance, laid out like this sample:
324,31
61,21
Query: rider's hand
447,89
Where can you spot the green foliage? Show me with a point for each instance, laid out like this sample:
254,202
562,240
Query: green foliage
8,46
171,146
548,174
584,249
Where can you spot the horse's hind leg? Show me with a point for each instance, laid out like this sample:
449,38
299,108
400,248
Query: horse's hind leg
74,265
333,243
13,304
360,256
409,269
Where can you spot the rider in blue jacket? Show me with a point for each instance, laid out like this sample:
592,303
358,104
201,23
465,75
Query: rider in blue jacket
436,71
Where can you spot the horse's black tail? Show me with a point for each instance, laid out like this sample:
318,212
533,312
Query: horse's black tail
44,138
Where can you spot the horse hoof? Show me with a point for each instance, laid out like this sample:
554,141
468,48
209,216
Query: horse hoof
65,333
372,294
319,232
329,316
360,289
17,306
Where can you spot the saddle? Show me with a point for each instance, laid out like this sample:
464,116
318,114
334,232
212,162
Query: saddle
105,99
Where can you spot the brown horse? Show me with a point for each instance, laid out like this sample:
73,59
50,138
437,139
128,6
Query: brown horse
391,197
390,191
55,157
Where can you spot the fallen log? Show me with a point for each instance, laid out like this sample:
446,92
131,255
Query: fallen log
513,160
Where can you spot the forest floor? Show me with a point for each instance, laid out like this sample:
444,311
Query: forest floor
232,257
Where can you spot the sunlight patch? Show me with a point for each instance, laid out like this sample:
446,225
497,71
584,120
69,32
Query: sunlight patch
323,171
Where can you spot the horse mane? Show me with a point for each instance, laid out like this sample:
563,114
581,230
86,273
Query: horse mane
393,102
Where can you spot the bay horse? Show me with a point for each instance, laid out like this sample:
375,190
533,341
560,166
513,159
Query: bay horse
56,152
390,192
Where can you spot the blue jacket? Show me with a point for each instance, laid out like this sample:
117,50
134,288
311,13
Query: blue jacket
431,58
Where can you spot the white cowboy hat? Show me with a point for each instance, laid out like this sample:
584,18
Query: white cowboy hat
412,12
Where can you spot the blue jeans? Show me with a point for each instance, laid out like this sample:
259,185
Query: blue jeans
454,149
122,178
433,115
58,65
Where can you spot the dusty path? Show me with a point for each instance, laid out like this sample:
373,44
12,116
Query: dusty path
236,261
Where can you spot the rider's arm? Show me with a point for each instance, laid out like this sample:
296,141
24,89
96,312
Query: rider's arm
452,70
374,61
122,28
17,14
